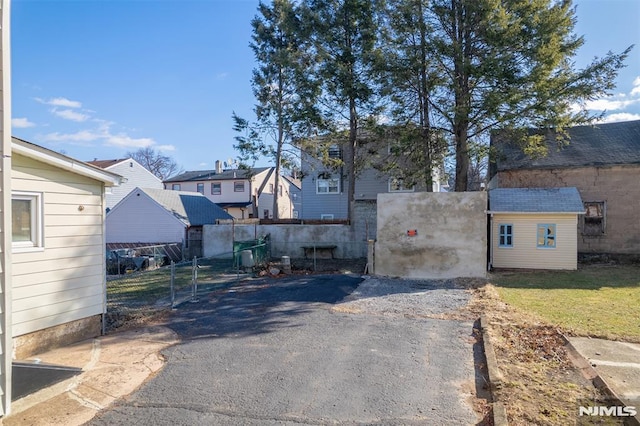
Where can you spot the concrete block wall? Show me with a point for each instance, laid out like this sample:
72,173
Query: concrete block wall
432,235
616,185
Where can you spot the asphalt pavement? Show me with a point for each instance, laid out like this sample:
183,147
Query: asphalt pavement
274,352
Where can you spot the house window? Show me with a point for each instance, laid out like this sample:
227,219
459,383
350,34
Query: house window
327,185
505,235
326,217
175,187
26,223
398,185
200,188
280,189
271,188
594,218
335,152
238,186
265,213
546,235
216,188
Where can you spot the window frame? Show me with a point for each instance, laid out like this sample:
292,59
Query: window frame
36,241
219,185
200,187
327,180
505,232
547,236
176,187
400,184
236,186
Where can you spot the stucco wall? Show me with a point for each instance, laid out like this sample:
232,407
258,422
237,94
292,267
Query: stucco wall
615,185
286,240
451,239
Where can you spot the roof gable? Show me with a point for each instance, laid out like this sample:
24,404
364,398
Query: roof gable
535,200
598,145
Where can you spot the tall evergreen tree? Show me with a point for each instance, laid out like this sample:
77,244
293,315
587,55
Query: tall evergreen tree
343,34
285,96
509,64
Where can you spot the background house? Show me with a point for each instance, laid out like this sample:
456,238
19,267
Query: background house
602,162
242,193
158,216
135,176
58,248
324,188
534,228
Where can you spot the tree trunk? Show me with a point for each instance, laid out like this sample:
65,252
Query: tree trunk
350,159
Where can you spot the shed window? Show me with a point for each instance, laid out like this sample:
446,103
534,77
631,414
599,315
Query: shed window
546,235
26,222
594,218
238,186
505,232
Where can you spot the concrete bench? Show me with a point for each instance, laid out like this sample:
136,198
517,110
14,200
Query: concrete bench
320,251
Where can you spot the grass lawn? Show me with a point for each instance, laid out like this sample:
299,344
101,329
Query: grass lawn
596,300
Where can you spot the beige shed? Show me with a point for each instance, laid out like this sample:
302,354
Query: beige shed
534,228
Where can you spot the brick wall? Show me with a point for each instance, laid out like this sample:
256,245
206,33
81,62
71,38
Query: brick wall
617,186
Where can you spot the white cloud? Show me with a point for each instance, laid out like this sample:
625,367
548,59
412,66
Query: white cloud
623,116
203,164
81,136
21,123
69,114
125,141
62,102
166,148
636,87
610,104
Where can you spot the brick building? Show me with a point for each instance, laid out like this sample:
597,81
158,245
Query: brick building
603,162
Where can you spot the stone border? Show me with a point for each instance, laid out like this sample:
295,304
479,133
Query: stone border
495,377
592,375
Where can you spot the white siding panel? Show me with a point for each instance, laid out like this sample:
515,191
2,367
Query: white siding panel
24,324
64,281
130,222
525,253
136,175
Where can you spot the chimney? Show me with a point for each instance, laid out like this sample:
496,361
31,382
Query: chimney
218,166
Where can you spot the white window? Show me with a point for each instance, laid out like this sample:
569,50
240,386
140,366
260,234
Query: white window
26,226
398,185
327,185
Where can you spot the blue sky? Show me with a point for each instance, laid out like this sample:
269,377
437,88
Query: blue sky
98,78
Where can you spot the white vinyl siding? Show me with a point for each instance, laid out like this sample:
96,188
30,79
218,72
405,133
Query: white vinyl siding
525,253
136,177
129,222
65,281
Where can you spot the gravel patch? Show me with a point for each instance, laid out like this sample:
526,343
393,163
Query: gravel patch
403,297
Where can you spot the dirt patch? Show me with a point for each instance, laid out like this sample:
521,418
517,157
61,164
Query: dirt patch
540,384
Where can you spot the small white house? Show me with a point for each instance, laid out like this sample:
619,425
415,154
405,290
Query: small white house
58,247
160,216
135,176
534,228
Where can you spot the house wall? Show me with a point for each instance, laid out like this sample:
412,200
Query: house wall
136,177
285,202
129,222
450,240
525,253
228,195
615,185
64,282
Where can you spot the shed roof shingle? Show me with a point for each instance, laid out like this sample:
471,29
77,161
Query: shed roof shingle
192,208
535,200
601,144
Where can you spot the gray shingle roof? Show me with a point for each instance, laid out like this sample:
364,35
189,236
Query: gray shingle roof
198,175
535,200
601,144
192,208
